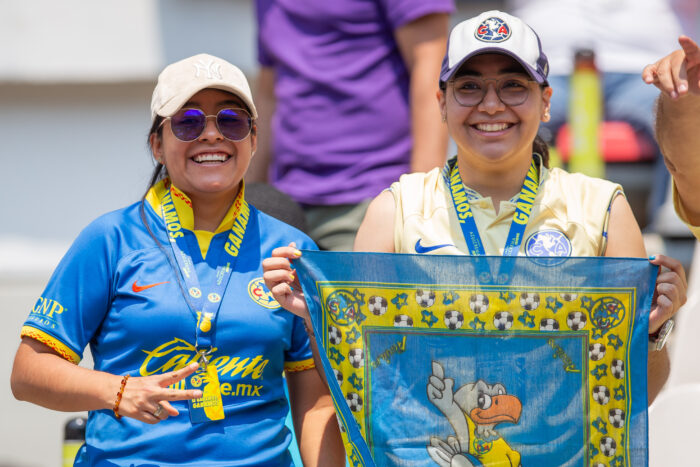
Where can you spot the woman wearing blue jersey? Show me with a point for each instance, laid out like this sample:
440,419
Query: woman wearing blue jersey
189,346
497,195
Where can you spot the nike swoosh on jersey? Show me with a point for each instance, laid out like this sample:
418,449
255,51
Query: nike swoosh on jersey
426,249
140,288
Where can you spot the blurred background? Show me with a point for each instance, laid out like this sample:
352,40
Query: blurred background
76,78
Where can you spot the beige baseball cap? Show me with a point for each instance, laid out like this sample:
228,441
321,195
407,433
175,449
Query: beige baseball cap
181,80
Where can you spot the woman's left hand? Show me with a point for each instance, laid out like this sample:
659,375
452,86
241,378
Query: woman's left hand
670,291
283,282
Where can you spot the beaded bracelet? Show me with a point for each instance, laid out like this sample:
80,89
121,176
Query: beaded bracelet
119,397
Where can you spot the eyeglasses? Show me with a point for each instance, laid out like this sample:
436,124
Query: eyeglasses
511,90
188,124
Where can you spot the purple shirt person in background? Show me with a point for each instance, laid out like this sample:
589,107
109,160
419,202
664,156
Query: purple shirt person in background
347,93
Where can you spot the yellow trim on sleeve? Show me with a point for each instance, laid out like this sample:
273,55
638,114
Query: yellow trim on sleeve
293,367
50,341
606,221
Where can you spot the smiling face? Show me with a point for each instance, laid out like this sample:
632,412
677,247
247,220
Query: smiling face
210,166
492,134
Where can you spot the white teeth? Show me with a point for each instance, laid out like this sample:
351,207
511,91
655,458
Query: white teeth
210,158
492,126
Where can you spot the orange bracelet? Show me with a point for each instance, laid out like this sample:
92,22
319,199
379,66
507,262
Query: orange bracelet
119,397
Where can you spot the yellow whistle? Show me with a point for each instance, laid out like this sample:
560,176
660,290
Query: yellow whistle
204,322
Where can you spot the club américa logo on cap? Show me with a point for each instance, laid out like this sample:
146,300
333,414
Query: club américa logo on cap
492,29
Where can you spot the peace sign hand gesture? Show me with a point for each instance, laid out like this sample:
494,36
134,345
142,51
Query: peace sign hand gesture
147,398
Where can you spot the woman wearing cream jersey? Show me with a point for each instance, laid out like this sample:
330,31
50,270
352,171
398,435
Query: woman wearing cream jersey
189,347
497,195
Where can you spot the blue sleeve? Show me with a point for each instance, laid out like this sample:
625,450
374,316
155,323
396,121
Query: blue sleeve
401,12
299,356
77,297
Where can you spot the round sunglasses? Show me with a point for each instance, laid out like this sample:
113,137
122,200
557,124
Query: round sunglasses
512,90
188,124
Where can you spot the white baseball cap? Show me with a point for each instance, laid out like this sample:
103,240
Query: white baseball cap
495,32
179,81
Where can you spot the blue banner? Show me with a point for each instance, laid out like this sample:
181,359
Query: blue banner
431,360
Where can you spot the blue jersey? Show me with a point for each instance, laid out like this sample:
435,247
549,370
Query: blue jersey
116,291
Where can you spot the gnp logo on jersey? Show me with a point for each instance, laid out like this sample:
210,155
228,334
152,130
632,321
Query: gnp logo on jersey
260,294
548,243
492,30
47,308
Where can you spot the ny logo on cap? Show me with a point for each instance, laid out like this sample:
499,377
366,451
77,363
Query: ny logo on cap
492,30
212,69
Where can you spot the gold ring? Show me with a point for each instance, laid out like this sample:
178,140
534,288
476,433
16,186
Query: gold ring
158,411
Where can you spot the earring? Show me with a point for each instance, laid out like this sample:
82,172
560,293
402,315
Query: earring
444,118
546,116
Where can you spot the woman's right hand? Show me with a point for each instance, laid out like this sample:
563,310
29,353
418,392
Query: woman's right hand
143,395
283,282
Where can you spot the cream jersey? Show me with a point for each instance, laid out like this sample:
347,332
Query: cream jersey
569,216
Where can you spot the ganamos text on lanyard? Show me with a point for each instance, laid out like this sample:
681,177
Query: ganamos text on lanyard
205,306
524,203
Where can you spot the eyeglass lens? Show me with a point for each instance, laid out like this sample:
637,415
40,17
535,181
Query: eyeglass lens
188,124
470,91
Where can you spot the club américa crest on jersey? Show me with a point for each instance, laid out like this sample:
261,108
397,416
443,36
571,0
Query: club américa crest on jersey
548,242
492,29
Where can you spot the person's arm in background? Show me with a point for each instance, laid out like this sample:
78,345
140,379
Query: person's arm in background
677,75
265,105
422,43
376,232
625,240
314,419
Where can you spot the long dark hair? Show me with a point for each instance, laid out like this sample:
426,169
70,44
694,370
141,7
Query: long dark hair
158,173
159,169
541,147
